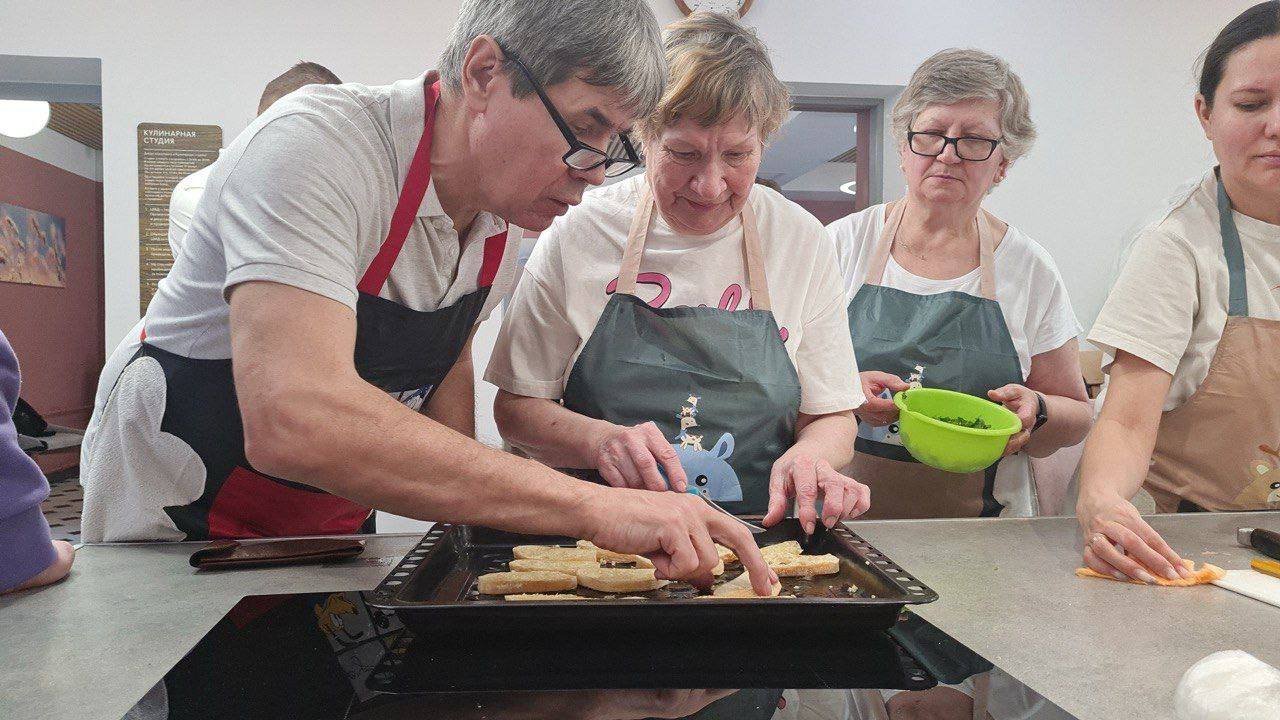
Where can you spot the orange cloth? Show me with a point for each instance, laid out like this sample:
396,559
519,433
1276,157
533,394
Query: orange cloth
1205,575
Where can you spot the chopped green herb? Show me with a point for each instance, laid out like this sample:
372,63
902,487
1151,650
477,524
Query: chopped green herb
976,423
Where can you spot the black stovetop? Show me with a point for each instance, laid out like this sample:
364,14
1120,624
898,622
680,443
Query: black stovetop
329,655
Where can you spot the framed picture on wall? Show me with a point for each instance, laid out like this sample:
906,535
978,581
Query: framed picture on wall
33,247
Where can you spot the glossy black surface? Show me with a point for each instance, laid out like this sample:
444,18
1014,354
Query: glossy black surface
332,655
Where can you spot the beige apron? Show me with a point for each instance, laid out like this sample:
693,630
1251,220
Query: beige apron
1220,450
963,344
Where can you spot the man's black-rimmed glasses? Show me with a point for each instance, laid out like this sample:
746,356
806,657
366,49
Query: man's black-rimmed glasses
581,156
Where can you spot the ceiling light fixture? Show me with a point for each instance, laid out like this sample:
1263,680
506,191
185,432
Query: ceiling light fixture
23,118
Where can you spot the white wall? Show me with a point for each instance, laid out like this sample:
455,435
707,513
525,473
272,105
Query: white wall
59,151
206,63
1111,83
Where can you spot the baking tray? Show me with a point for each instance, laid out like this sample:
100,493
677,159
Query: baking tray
436,582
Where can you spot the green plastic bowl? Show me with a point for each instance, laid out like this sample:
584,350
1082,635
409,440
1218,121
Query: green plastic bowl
949,447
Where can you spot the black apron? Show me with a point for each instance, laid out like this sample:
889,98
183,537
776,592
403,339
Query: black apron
718,383
405,352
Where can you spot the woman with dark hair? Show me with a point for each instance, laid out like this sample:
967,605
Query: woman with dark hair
1193,327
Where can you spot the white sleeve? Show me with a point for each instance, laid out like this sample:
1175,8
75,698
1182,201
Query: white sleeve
289,211
824,360
1151,309
537,341
1054,322
182,206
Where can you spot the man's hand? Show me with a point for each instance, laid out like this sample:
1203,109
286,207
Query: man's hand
677,531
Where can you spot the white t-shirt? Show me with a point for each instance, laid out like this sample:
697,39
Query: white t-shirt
1032,297
182,205
569,278
1169,304
304,197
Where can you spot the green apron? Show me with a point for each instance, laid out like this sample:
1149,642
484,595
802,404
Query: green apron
962,343
718,383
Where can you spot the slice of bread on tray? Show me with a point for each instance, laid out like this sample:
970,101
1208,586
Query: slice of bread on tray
542,597
740,587
570,567
614,580
518,583
807,566
550,552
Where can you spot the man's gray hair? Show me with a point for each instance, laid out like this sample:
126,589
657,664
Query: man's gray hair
955,75
608,43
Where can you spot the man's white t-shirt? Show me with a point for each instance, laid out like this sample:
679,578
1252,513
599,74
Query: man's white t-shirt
303,197
574,266
1032,297
1169,305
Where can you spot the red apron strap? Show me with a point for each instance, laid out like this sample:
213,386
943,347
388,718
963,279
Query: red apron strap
494,246
410,200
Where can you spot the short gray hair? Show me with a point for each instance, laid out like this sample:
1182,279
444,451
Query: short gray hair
607,43
955,75
720,69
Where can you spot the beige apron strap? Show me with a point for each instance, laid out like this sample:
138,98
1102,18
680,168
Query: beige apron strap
757,285
634,251
884,245
987,228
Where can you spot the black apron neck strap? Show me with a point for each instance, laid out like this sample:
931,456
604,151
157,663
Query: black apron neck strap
1237,289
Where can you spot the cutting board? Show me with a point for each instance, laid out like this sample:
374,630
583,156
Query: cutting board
1252,584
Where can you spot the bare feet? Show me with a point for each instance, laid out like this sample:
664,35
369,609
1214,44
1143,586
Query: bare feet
55,572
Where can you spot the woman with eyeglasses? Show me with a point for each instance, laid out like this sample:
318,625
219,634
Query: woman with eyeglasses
1193,327
684,329
939,287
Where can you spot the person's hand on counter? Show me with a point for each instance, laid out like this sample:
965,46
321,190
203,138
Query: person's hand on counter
878,411
677,531
637,456
806,479
1118,542
65,555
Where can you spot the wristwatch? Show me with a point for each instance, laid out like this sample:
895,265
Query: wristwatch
1042,412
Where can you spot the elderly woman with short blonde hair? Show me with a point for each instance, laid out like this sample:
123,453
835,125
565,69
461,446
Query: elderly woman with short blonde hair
684,329
942,289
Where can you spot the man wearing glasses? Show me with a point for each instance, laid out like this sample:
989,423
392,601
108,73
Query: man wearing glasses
308,358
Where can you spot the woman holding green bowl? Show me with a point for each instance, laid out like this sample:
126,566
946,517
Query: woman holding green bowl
938,286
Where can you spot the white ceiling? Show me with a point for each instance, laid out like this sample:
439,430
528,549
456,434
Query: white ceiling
798,158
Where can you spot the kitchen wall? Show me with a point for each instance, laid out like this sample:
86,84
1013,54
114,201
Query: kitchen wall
57,332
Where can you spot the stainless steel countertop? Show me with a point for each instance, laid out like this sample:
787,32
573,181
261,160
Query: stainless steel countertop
91,646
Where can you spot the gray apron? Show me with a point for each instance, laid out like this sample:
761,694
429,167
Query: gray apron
962,344
718,383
